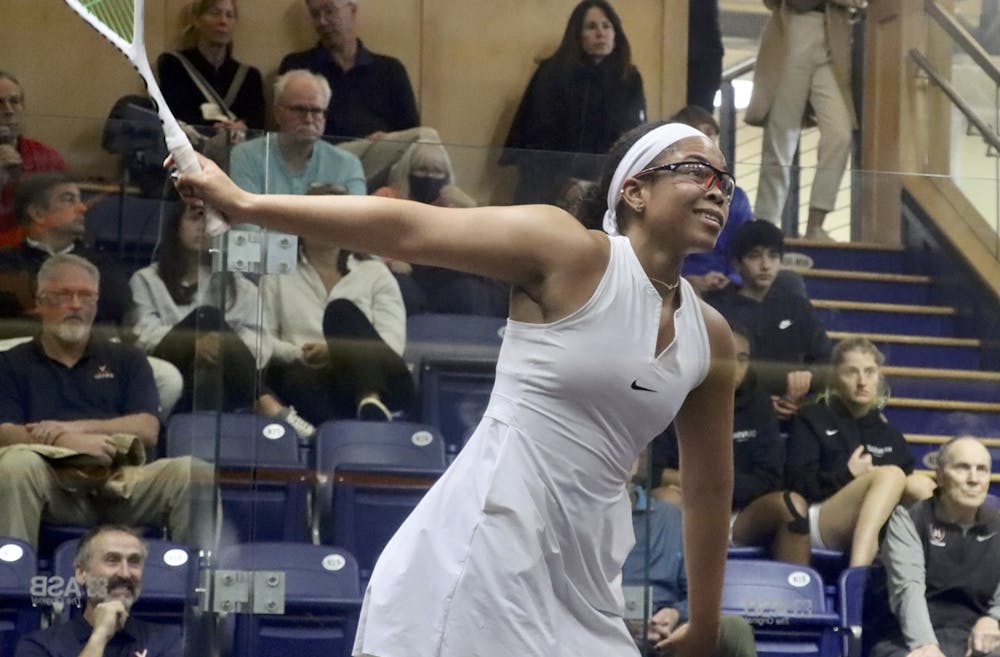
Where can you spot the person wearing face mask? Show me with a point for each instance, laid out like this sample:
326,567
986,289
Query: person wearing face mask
579,101
424,174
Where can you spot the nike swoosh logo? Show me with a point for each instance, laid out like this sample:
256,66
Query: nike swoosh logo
832,432
636,386
986,537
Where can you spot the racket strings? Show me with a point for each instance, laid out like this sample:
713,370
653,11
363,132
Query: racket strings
116,14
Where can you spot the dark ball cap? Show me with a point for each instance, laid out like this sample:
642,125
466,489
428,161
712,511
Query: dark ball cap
753,234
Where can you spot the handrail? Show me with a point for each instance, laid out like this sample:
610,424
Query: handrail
987,133
727,108
961,36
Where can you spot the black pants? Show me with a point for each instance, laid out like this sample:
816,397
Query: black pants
227,385
361,363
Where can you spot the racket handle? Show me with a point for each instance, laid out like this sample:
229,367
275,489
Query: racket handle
187,162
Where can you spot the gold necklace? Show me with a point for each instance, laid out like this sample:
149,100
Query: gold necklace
670,286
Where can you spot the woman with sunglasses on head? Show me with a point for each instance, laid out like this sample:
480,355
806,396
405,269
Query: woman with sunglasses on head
518,548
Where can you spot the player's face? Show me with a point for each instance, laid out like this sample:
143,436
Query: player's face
965,478
216,26
11,107
301,110
684,209
598,37
114,569
67,304
758,269
857,378
334,21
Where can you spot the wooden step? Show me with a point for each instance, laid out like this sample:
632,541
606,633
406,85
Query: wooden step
928,340
864,276
883,307
942,373
944,405
857,246
937,439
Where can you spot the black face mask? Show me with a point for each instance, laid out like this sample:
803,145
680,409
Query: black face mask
425,189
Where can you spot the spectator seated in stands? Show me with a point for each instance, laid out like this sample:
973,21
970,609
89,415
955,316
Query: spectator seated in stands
48,205
296,160
108,565
790,342
178,316
77,416
662,547
205,86
942,562
713,270
49,208
581,99
339,330
19,155
425,174
763,514
847,460
372,94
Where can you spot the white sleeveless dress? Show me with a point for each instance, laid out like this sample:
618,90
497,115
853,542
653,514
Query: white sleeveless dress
517,550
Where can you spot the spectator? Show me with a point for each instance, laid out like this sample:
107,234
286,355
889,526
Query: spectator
849,463
52,214
339,332
790,343
75,413
763,514
296,160
803,72
178,317
19,156
372,94
204,85
425,174
942,561
109,563
579,101
705,52
659,551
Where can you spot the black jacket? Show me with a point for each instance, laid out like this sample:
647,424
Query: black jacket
822,439
579,108
786,334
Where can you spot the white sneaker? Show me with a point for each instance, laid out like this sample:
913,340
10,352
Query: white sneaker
302,426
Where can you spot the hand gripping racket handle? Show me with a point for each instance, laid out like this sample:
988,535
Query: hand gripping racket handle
187,162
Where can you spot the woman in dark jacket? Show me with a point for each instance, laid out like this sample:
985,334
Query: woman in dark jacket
579,101
847,460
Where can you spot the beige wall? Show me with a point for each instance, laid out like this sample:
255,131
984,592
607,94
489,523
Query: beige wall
469,61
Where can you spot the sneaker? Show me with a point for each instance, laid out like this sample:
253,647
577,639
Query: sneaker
795,260
302,426
372,409
818,235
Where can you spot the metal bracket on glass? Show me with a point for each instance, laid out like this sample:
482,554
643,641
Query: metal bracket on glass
249,591
256,252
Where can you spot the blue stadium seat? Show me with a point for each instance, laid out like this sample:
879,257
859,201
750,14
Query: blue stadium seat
786,605
168,580
453,397
859,587
370,476
435,336
322,600
18,614
261,474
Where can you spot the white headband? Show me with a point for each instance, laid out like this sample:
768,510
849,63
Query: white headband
638,158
